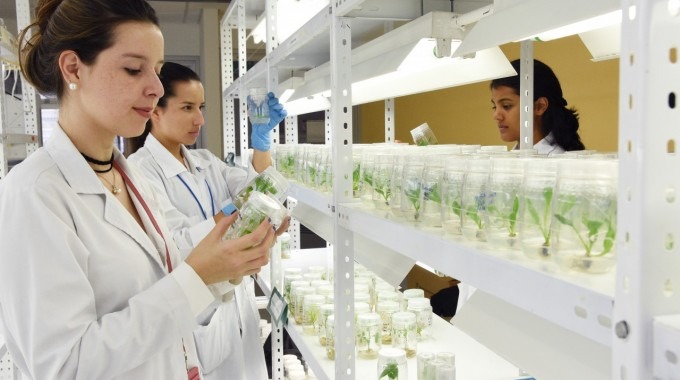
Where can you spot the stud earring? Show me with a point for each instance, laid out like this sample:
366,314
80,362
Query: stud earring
72,86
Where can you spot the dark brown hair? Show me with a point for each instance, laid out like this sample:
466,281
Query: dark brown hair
559,120
84,26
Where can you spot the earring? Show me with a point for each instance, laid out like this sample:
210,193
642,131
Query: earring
72,86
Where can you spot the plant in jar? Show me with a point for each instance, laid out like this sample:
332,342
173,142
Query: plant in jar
504,214
540,215
257,208
390,371
412,190
356,178
591,221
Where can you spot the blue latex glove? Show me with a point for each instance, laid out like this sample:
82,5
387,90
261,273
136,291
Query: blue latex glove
260,136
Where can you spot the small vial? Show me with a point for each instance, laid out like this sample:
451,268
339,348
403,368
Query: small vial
324,311
284,239
423,357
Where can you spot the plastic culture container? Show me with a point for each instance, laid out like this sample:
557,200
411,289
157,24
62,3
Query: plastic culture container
411,293
474,197
269,182
584,214
382,180
423,135
404,332
324,311
386,309
423,310
369,335
538,188
288,278
285,160
254,211
310,313
431,191
284,240
453,177
330,337
503,202
392,364
411,187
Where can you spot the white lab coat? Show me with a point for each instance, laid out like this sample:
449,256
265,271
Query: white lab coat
84,291
225,352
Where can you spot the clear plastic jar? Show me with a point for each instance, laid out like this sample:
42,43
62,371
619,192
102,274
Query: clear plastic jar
294,286
284,240
503,202
474,197
411,293
287,281
269,182
423,310
324,311
423,358
253,212
584,214
431,191
538,188
369,335
330,337
386,309
310,313
300,294
404,332
392,364
423,135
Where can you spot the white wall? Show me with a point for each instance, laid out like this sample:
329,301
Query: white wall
182,39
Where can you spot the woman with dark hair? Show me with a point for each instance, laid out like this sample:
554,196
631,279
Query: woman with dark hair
555,125
199,188
91,284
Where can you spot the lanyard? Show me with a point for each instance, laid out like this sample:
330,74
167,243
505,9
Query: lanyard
212,203
192,373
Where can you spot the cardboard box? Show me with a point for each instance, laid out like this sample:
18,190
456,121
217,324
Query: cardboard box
431,283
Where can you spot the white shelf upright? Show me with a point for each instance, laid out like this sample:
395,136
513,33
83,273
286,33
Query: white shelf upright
647,304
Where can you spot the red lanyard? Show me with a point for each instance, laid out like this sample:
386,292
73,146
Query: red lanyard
132,187
192,373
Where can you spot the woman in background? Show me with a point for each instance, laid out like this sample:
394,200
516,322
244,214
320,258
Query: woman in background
555,125
199,188
91,284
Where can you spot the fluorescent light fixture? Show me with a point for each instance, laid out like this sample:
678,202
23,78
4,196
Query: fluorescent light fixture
411,59
287,88
597,22
512,24
603,43
291,15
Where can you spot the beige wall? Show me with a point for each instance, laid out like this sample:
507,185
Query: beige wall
462,115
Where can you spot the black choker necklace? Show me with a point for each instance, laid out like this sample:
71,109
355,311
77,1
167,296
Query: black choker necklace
101,163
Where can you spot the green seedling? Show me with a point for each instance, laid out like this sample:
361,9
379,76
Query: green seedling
542,221
390,372
592,225
511,216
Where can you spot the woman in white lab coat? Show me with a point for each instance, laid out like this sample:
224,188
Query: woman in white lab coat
200,187
555,125
85,288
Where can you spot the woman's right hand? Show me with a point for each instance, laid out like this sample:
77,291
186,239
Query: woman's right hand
216,260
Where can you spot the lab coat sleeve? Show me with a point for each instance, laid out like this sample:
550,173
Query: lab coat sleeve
48,302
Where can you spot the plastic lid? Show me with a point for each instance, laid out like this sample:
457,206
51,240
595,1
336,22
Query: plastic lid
325,289
418,303
369,319
291,270
284,237
388,306
403,317
361,307
268,206
414,293
362,297
313,299
388,295
392,353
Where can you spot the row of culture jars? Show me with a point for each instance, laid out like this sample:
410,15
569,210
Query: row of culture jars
561,207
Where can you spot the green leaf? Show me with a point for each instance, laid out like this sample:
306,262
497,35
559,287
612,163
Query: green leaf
456,207
564,220
471,212
391,371
513,215
533,212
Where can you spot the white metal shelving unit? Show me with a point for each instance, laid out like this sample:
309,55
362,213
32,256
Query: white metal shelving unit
623,326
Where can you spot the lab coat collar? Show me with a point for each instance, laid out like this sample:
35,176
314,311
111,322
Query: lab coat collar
168,163
83,180
72,164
